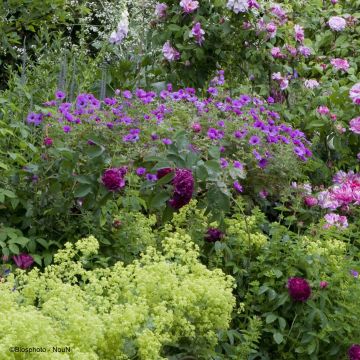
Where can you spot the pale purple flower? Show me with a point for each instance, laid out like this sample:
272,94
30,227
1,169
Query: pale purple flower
304,51
354,273
355,125
189,6
160,10
299,33
355,94
340,64
335,220
311,83
198,33
116,37
337,23
238,5
292,50
326,201
279,12
271,29
284,83
170,53
276,53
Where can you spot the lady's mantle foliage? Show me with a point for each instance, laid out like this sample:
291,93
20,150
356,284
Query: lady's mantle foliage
165,297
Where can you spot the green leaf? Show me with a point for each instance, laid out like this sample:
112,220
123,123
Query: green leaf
278,337
95,151
166,179
82,179
37,259
47,259
282,323
43,242
14,248
201,173
159,199
82,190
214,152
20,240
271,318
174,27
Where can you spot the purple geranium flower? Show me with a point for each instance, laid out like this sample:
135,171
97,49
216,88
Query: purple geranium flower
59,95
238,187
254,140
140,171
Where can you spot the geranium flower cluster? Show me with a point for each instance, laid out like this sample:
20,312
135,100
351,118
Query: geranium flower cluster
144,119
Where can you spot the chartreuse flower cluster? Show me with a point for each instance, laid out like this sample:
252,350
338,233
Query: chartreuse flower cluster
166,298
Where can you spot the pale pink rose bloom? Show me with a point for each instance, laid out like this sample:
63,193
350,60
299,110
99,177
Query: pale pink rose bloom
299,33
170,53
337,23
355,94
340,64
189,6
311,83
355,125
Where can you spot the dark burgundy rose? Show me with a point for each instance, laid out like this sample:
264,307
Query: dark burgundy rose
48,141
23,261
163,172
354,352
213,235
183,183
299,289
113,179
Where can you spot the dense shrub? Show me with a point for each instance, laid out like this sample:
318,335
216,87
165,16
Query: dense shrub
313,317
87,153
